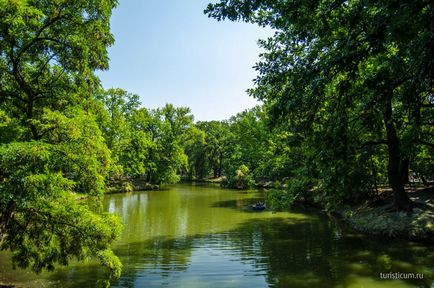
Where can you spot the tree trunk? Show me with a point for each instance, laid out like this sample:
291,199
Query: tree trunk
374,176
405,163
425,183
220,165
5,217
394,171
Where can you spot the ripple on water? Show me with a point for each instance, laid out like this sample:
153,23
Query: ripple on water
211,259
205,237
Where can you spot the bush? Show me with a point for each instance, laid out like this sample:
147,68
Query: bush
242,179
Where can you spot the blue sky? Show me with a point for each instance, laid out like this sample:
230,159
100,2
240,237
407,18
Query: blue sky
168,51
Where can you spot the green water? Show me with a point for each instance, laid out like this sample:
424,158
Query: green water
203,236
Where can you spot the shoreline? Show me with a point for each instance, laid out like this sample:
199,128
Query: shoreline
367,218
382,220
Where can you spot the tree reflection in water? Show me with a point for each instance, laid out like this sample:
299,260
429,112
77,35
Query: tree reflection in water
206,237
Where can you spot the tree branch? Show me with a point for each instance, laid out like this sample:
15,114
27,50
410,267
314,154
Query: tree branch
43,66
426,143
431,105
375,142
37,38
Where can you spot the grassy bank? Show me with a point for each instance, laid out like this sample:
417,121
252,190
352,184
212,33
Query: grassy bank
129,185
379,217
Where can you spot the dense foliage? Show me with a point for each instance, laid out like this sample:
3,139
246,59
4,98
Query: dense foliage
144,143
53,157
348,100
353,83
243,149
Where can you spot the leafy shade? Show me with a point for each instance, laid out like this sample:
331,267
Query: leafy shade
49,193
50,222
48,52
352,80
53,158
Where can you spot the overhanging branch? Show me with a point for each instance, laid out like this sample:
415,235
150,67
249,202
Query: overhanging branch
375,142
429,144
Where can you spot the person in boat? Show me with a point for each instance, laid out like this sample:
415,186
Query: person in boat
258,206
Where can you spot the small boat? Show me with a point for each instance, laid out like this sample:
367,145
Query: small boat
258,206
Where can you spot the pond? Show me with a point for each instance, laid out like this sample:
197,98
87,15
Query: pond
204,236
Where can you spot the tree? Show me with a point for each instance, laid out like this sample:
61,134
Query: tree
333,65
217,144
195,150
169,130
50,196
53,158
136,155
252,137
243,141
49,49
176,127
117,124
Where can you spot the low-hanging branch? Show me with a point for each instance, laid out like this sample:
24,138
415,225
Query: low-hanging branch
374,142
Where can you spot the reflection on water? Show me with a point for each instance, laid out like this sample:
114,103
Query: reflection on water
200,236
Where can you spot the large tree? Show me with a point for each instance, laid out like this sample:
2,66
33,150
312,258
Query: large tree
217,146
116,118
348,75
170,130
53,158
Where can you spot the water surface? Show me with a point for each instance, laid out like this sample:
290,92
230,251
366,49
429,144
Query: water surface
203,236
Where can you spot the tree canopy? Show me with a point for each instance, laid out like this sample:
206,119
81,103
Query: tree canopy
348,100
53,157
354,79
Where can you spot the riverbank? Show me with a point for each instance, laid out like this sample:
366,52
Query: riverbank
223,179
129,185
217,180
372,218
380,218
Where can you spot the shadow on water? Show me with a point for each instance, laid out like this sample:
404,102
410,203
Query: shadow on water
244,205
181,238
273,252
315,255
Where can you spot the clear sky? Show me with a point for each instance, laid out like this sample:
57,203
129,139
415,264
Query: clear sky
168,51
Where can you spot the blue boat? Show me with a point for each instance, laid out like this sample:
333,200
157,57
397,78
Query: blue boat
258,206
